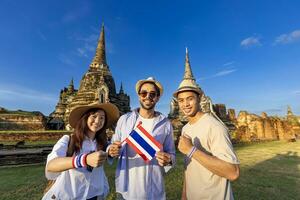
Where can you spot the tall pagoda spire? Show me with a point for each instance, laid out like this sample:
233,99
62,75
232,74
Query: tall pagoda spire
100,56
289,111
71,86
188,74
188,78
121,89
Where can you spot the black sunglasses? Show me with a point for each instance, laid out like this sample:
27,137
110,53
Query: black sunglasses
152,95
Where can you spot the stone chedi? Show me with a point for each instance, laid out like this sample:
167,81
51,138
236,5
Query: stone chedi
244,127
175,112
96,85
176,116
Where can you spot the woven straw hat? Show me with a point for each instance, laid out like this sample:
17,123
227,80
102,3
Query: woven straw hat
188,85
149,80
112,113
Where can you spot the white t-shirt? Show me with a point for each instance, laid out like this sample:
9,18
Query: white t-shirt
76,183
210,136
137,166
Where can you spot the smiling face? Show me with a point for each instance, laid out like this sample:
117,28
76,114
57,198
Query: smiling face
189,103
148,96
96,121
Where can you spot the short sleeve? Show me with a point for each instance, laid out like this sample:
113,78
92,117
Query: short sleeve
59,150
221,146
117,135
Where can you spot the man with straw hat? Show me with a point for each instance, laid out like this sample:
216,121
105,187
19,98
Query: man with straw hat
135,178
210,159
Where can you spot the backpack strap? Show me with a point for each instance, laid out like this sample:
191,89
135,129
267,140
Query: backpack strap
71,149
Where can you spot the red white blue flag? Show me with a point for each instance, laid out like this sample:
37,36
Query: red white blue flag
143,143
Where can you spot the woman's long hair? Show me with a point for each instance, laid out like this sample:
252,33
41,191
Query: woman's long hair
82,129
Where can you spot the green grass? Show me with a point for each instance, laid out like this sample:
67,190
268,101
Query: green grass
22,182
268,171
38,143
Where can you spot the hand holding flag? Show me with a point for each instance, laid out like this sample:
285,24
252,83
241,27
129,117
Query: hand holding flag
163,158
143,143
114,149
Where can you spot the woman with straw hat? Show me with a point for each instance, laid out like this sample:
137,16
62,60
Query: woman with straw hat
76,161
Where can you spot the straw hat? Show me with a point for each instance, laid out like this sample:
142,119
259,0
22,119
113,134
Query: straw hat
112,113
188,85
149,80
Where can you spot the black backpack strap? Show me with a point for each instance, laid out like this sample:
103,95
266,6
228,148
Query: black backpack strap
70,150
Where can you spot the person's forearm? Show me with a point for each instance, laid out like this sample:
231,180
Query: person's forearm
217,166
60,164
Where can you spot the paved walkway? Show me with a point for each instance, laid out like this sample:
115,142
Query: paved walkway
6,152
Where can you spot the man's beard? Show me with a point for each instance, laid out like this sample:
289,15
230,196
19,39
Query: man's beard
147,107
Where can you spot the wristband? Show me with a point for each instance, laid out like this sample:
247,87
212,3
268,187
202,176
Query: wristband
79,161
192,151
84,162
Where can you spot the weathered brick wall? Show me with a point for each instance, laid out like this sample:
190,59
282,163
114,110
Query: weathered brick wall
22,122
32,136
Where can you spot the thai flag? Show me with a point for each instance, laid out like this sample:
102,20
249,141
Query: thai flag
143,143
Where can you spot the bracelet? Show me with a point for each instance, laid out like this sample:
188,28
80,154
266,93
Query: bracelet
192,151
79,161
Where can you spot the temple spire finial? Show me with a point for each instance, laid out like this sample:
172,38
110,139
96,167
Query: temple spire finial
188,74
100,56
71,86
289,111
121,89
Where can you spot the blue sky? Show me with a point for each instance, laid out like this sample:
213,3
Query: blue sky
245,54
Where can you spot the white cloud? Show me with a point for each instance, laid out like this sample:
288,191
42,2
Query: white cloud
296,92
91,38
224,72
88,46
13,92
42,35
82,52
69,17
64,59
229,63
14,97
82,10
250,42
90,43
287,38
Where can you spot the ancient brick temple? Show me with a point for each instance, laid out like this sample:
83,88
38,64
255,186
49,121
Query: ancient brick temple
21,120
245,126
96,85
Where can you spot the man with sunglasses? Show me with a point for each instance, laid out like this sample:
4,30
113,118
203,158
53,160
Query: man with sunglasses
136,179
